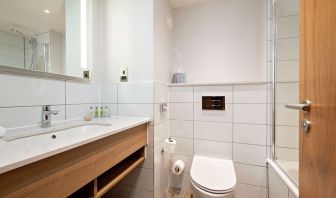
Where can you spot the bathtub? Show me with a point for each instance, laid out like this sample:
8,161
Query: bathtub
288,168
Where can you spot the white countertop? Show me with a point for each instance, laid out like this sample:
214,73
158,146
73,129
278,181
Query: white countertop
216,83
20,152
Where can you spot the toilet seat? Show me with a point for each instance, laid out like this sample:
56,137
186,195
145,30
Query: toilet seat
213,175
209,190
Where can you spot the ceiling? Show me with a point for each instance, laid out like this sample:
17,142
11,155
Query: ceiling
182,3
28,16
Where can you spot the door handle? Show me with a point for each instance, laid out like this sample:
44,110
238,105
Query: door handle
304,107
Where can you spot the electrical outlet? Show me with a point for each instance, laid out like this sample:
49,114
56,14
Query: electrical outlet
123,74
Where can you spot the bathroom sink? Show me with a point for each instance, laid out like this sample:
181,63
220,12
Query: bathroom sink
61,126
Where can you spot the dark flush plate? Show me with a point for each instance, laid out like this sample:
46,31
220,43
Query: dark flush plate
213,102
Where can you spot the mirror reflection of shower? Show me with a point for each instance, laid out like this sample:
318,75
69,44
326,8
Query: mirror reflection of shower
36,53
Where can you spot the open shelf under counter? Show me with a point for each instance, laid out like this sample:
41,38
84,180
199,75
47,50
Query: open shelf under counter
89,170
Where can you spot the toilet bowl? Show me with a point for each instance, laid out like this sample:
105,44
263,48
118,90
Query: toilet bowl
212,177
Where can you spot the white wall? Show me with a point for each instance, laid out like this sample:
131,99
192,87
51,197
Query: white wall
221,40
239,133
73,38
11,50
163,41
123,37
56,52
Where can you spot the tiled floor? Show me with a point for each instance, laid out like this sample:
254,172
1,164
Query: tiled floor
177,193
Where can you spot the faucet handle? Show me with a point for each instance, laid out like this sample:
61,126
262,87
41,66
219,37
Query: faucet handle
46,109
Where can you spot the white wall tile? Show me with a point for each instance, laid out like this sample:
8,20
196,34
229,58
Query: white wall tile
213,131
161,93
287,93
249,191
109,93
219,90
78,110
287,117
287,71
249,113
181,94
180,128
287,154
113,109
213,149
250,93
136,110
254,175
80,93
136,92
269,133
288,26
161,132
81,110
140,177
23,116
287,7
11,39
213,116
249,134
184,146
181,111
25,91
269,113
249,154
269,151
286,136
288,49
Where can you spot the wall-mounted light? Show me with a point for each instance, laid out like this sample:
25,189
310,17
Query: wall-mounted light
46,11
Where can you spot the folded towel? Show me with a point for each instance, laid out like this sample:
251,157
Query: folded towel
2,132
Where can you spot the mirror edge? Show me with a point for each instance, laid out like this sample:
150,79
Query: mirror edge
38,74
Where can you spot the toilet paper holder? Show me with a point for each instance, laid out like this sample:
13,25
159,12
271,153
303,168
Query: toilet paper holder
178,167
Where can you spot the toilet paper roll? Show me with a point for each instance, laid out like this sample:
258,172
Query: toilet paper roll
178,167
170,145
2,132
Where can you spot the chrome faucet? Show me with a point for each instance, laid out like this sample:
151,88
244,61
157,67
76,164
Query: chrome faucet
46,116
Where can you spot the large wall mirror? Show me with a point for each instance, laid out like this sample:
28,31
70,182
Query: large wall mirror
50,37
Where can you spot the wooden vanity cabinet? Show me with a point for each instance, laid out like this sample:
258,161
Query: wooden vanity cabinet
86,171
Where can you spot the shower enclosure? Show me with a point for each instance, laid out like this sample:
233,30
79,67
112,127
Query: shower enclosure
284,48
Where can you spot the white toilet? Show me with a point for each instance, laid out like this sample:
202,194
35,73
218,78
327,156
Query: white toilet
212,177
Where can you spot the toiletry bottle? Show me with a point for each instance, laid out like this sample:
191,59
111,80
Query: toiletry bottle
101,112
96,112
106,112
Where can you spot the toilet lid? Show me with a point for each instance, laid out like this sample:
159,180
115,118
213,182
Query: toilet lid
216,175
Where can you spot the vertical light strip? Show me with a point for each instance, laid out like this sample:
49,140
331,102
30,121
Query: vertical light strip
83,34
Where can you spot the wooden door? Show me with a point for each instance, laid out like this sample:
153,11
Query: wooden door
318,84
